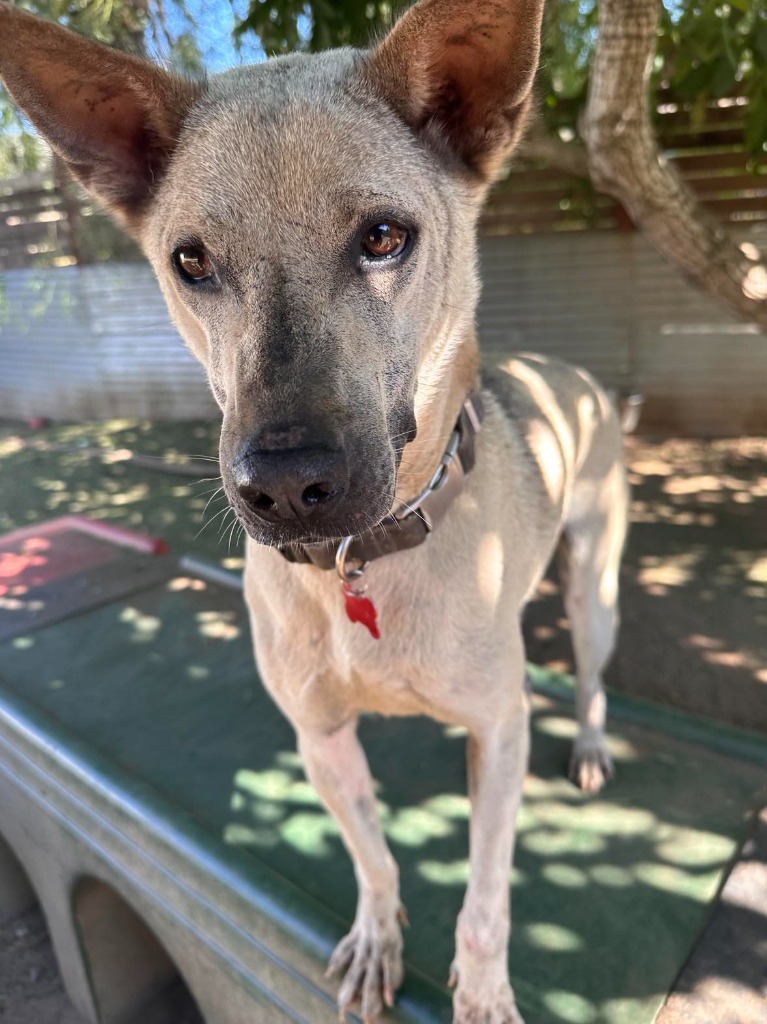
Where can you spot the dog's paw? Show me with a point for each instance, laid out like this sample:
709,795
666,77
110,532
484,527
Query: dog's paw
485,1007
590,764
371,959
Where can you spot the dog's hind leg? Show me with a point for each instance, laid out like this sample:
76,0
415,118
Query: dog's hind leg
589,562
371,954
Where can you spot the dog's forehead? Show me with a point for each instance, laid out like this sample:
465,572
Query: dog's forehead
294,134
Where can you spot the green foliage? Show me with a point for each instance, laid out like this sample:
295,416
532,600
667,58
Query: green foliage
707,50
284,25
20,151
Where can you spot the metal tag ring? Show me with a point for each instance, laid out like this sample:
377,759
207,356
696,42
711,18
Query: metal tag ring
347,575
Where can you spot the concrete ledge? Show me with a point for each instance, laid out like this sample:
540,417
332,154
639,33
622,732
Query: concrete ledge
247,948
725,979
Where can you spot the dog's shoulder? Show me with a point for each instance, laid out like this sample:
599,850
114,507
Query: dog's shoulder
534,387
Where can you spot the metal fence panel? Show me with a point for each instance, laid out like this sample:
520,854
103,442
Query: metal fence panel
97,342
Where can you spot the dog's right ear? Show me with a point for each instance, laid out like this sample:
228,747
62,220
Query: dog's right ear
114,118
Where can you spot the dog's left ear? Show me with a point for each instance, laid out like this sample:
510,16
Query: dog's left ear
114,118
461,71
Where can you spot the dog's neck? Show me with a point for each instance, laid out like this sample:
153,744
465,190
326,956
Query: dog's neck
450,376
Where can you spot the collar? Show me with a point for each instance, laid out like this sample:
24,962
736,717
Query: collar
412,523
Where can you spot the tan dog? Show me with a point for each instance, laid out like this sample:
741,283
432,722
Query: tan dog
312,223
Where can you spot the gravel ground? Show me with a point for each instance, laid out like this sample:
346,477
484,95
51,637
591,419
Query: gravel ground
31,991
30,986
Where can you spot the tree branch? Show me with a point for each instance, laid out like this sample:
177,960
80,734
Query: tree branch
540,147
625,162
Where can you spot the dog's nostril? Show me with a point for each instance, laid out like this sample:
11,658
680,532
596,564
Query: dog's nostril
263,502
317,494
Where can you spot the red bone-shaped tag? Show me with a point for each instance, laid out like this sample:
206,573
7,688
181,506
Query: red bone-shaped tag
361,609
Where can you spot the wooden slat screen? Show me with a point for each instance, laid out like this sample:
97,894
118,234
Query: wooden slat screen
710,158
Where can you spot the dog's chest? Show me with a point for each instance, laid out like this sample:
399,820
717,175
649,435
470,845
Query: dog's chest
433,646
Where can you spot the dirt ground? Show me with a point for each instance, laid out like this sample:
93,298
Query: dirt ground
694,584
31,991
30,986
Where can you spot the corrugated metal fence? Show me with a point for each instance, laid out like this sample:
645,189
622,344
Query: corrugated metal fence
93,342
611,303
96,341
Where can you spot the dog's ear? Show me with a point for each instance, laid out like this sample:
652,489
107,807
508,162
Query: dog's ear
113,117
462,71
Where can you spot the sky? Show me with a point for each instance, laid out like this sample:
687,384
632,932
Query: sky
214,22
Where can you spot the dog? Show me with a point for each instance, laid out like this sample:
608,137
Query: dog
312,224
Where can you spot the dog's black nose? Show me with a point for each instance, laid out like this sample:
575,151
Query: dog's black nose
291,484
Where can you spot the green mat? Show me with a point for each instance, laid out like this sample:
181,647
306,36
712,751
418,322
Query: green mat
608,894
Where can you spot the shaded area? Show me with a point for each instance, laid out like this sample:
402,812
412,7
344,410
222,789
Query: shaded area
694,583
133,977
163,684
31,991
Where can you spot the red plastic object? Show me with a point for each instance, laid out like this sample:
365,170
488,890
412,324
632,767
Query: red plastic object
61,548
96,527
361,609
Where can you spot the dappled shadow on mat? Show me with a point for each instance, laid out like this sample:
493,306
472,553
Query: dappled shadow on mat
608,894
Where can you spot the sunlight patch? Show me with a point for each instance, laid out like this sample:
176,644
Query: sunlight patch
555,843
439,873
245,835
309,833
552,937
565,875
674,880
696,849
414,826
570,1007
612,876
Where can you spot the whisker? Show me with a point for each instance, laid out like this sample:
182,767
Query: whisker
212,520
235,522
205,480
411,510
225,524
211,498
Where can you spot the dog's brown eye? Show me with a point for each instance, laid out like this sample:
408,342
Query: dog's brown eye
193,263
384,241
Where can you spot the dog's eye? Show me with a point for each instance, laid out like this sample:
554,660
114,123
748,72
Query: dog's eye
193,263
384,241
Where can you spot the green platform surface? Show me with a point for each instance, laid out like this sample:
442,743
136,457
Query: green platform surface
609,894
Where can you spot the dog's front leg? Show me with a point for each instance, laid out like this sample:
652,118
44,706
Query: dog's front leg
371,954
497,761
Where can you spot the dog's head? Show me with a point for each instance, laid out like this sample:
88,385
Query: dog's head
311,222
